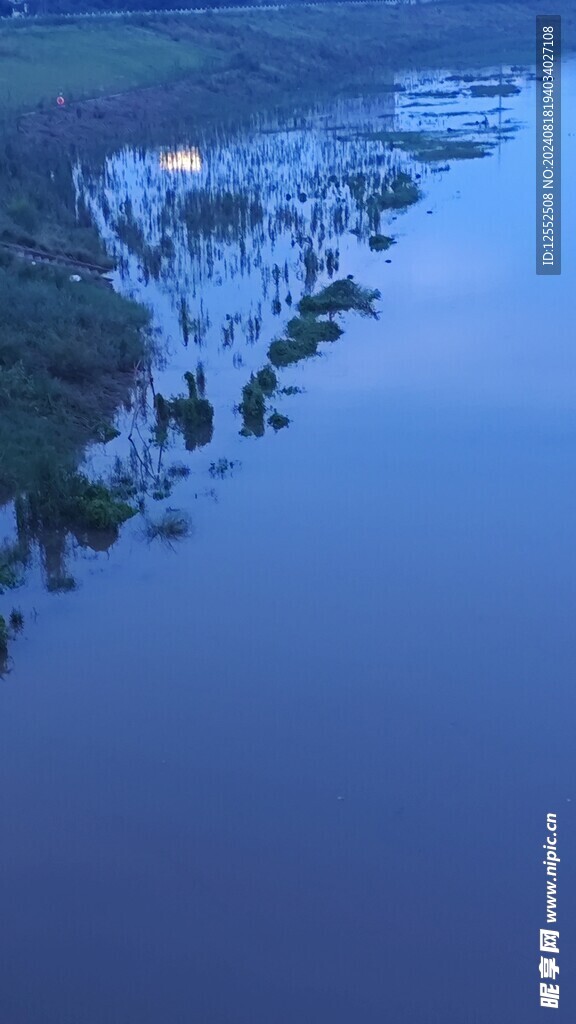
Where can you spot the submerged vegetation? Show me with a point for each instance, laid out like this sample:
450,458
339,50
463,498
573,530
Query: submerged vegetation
380,243
12,564
253,407
494,90
380,193
305,332
223,468
435,147
303,335
277,420
172,525
4,636
267,380
190,413
341,297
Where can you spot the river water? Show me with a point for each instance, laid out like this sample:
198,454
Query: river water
296,767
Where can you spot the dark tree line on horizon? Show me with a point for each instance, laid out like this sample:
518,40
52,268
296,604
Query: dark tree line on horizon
48,7
71,7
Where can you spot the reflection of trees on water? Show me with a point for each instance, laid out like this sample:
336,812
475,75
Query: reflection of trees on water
259,201
265,213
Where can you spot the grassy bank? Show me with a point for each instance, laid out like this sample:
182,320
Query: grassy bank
66,352
40,61
234,52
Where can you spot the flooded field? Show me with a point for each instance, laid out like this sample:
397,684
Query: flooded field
282,747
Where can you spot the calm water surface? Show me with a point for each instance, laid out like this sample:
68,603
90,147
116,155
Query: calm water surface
297,768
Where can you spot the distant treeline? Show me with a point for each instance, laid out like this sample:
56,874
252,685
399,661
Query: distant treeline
47,7
78,7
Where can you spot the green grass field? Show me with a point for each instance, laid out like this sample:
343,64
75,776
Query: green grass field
82,60
305,46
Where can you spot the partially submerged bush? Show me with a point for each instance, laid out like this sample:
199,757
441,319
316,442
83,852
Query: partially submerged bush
12,559
402,192
71,501
267,380
92,506
3,637
284,351
16,620
305,332
60,584
191,414
277,420
304,335
172,525
341,297
493,90
380,243
253,401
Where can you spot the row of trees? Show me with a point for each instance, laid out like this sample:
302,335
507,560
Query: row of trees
48,7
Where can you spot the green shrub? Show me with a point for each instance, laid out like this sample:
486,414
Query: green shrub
340,297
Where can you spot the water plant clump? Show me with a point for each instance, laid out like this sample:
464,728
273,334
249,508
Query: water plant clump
252,408
402,192
94,507
432,147
4,636
494,90
341,297
72,500
16,620
178,470
380,243
60,584
222,468
267,380
12,562
192,414
277,420
304,334
172,525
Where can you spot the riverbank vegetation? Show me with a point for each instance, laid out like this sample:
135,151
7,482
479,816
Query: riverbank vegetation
67,350
305,332
303,335
192,414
